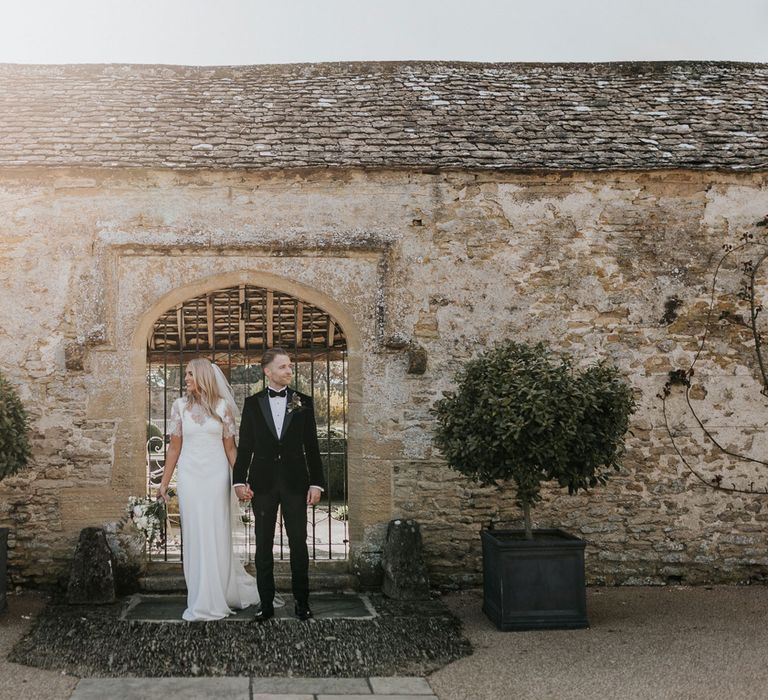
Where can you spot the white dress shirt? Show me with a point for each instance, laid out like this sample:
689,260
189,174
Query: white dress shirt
277,405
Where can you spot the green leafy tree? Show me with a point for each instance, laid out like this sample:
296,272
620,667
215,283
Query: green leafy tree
14,428
520,412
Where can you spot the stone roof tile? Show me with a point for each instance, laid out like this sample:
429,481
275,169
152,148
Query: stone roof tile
498,116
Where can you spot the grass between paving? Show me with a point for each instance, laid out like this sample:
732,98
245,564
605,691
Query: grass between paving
405,639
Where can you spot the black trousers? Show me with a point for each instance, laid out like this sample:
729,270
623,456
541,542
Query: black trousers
294,509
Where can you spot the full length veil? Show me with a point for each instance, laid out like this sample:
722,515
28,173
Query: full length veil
226,392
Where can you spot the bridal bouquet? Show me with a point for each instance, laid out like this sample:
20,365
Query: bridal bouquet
149,518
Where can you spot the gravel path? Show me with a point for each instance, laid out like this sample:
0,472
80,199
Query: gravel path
405,639
22,682
660,643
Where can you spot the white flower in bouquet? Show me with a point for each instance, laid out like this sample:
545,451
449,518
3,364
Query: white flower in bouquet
148,517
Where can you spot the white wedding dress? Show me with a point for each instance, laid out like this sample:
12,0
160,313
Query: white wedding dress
217,583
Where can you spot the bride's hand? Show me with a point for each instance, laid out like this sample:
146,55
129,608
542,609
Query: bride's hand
162,494
244,493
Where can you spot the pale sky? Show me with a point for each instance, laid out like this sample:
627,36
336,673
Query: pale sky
222,32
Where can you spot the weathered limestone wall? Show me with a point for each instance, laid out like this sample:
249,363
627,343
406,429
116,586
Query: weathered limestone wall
449,261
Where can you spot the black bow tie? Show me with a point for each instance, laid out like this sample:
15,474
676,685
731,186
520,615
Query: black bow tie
273,393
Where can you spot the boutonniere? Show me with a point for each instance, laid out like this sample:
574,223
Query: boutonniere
295,403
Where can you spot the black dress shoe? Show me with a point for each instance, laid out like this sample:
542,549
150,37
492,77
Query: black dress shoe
302,611
266,613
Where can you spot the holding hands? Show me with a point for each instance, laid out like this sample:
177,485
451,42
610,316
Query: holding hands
244,492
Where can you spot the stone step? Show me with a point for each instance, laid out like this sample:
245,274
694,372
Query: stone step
168,577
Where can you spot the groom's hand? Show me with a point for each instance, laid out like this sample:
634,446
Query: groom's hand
243,493
313,496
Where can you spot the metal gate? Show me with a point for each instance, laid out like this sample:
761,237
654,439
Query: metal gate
232,327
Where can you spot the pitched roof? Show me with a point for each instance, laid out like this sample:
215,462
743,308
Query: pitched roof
422,115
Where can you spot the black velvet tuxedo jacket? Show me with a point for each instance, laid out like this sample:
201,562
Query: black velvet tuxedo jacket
290,460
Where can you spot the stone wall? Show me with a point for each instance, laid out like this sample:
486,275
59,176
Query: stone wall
614,265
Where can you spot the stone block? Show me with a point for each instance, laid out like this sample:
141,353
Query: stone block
91,580
417,359
127,545
84,506
402,558
74,355
366,557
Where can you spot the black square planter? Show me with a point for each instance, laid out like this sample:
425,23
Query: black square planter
534,584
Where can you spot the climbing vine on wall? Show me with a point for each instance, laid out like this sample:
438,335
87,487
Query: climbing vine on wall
743,310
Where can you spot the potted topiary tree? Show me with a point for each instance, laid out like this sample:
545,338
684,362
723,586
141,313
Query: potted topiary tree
14,455
523,413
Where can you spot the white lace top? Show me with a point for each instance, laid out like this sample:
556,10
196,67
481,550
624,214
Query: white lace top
197,413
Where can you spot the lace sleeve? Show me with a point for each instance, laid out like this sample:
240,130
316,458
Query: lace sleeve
230,426
174,423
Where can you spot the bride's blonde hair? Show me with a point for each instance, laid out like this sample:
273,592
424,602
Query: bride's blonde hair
207,391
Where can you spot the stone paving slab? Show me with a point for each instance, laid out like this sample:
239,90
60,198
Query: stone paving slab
244,688
165,688
404,685
368,697
338,686
169,608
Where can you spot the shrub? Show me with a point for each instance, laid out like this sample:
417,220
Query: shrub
523,413
14,429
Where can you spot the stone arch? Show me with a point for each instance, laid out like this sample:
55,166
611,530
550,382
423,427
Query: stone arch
129,471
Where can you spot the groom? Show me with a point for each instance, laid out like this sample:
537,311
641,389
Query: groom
278,464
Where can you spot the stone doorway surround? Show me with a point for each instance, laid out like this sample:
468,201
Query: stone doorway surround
143,277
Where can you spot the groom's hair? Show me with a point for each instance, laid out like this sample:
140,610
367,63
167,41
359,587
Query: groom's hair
271,354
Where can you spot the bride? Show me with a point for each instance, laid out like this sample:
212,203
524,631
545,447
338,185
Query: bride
202,429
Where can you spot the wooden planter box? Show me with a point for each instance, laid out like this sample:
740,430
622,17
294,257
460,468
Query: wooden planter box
534,584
